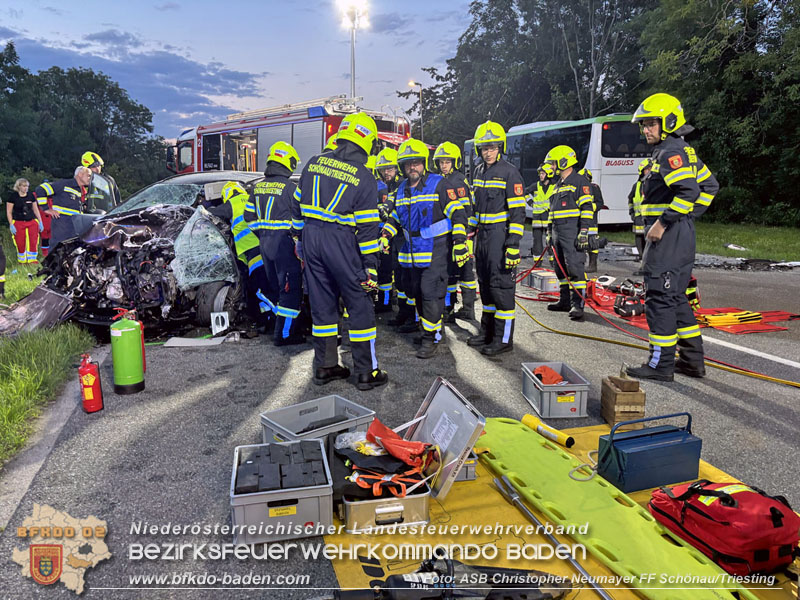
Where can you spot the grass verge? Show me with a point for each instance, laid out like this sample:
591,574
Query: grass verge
773,243
33,367
20,279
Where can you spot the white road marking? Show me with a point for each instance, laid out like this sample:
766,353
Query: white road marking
777,359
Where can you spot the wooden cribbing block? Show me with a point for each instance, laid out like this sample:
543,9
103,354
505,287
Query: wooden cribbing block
617,404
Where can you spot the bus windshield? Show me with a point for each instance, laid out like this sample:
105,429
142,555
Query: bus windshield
623,140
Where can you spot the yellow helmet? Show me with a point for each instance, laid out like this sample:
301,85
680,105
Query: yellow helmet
645,164
372,160
450,151
664,107
586,173
283,154
331,145
91,159
490,133
548,170
413,149
386,158
562,157
360,129
231,189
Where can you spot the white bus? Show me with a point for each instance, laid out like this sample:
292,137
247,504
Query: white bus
610,146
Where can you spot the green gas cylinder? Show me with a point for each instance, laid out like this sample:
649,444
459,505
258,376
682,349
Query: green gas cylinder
126,354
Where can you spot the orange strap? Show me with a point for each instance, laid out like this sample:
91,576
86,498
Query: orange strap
372,479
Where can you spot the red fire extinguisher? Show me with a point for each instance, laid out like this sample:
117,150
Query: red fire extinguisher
131,314
91,390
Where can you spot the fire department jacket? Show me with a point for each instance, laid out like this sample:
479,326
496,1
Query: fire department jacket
572,204
635,200
539,202
232,211
337,188
457,180
269,207
428,211
679,184
65,195
499,200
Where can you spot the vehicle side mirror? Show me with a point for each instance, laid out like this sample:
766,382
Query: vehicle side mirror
171,165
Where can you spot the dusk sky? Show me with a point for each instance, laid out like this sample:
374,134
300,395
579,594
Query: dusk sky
196,62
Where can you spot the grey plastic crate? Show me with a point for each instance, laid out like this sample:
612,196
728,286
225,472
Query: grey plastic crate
290,509
543,280
555,401
284,424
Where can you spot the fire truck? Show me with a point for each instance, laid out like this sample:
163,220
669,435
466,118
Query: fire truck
242,141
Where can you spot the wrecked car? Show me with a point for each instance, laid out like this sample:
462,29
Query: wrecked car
160,253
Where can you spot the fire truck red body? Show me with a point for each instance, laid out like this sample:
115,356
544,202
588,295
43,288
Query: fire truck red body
242,141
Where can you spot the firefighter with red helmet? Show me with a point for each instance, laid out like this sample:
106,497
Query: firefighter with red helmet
678,189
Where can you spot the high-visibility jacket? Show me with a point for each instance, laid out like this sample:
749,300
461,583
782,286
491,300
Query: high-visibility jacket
425,212
65,195
635,200
539,201
572,204
500,200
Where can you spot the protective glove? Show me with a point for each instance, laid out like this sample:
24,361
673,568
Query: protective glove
512,257
582,241
460,254
384,244
471,246
41,227
13,229
548,239
371,284
384,212
298,249
639,221
529,200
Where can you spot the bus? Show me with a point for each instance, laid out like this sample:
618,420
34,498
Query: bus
242,141
610,146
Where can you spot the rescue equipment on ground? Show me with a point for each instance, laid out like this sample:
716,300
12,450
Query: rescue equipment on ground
743,529
540,471
729,318
127,355
91,386
551,433
463,581
547,375
630,298
413,453
131,314
649,457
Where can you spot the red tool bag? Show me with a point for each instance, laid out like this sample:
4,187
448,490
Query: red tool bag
739,527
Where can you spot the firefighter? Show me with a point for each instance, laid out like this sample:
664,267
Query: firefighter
434,225
388,180
337,213
635,208
678,189
67,201
250,264
571,223
538,198
104,192
269,214
447,159
598,204
499,218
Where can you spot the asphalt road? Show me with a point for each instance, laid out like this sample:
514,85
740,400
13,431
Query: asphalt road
165,455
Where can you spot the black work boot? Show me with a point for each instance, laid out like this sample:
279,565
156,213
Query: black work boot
325,375
563,300
592,266
428,348
367,381
410,326
686,368
404,313
648,372
576,311
467,310
498,346
486,332
293,336
449,315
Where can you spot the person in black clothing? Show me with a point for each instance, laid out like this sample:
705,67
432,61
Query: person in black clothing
25,222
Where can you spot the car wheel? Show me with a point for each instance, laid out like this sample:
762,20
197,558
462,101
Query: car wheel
218,296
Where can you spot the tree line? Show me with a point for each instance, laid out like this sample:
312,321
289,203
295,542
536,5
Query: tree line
49,119
734,64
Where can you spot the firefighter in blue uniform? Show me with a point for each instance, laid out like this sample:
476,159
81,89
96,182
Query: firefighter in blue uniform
269,214
447,158
336,210
678,190
538,198
500,219
598,204
571,223
429,215
68,199
388,180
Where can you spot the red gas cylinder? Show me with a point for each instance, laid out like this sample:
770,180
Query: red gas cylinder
89,379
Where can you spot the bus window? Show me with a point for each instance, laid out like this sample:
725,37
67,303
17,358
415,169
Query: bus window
623,140
211,152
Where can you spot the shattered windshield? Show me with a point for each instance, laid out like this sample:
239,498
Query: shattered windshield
161,193
202,254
